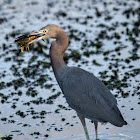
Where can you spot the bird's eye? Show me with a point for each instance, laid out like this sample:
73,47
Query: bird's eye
45,31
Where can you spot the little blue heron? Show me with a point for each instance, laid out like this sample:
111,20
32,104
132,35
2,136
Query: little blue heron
85,93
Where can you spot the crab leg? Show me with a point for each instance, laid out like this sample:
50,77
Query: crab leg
27,47
22,49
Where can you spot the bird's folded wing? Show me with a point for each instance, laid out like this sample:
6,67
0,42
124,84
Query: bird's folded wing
84,91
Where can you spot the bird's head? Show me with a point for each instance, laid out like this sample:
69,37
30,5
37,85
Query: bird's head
50,31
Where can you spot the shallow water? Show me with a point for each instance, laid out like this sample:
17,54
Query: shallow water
104,39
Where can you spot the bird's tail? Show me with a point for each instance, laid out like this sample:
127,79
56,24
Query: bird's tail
119,119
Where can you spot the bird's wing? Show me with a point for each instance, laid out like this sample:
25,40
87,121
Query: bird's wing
85,93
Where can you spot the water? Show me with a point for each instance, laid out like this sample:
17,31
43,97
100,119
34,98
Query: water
105,38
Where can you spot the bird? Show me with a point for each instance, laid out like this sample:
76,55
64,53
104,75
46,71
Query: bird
84,92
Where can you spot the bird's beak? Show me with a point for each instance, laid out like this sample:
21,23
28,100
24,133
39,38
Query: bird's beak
40,34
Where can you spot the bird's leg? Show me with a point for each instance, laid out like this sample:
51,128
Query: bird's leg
96,131
82,119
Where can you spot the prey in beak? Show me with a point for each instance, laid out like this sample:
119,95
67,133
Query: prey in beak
25,41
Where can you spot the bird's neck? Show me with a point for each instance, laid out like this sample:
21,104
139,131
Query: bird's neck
57,50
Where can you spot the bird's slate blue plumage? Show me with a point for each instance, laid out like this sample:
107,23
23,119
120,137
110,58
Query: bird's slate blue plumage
85,93
89,96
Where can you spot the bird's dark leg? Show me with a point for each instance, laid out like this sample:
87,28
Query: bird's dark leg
82,119
96,131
